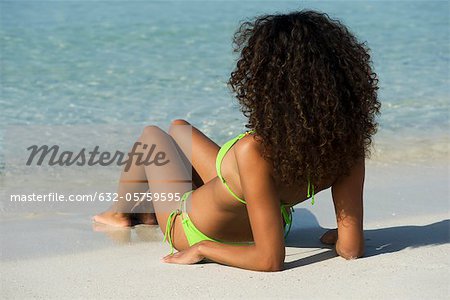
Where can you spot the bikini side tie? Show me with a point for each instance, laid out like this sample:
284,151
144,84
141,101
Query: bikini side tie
169,227
173,214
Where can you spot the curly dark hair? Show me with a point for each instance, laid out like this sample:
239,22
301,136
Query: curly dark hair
307,87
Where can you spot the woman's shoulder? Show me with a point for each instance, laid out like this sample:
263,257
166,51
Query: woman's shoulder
248,145
249,151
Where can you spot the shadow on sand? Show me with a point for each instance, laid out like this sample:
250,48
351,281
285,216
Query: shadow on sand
307,232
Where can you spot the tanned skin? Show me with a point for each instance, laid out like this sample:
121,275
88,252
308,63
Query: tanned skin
217,214
255,182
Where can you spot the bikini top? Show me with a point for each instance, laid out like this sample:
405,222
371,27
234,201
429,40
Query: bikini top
224,149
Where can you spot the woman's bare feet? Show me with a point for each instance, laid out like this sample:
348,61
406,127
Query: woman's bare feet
146,218
330,237
125,220
113,219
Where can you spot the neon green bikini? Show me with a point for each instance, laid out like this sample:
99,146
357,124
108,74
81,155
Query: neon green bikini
194,235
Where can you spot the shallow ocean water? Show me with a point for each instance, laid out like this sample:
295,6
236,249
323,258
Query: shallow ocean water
139,63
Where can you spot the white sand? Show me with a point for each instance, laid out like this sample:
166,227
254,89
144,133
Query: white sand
407,252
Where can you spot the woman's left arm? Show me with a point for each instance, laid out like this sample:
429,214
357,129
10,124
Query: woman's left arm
347,194
268,251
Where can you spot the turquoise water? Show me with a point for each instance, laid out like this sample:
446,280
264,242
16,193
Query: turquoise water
136,62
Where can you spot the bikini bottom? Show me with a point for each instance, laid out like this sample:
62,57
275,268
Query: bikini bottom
193,234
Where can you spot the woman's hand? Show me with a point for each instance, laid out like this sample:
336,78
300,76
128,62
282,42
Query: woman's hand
188,256
330,237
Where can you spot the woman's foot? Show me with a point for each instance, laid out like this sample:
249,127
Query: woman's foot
145,218
330,237
113,219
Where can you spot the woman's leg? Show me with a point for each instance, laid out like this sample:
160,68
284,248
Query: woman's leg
201,150
137,179
198,153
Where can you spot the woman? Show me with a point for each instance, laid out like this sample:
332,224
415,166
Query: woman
307,87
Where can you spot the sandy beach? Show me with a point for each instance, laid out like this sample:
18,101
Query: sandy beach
407,250
86,74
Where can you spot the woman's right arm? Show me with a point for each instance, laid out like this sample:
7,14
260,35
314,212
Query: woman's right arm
267,253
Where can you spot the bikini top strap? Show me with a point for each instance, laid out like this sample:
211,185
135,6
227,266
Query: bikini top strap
287,216
222,151
310,187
